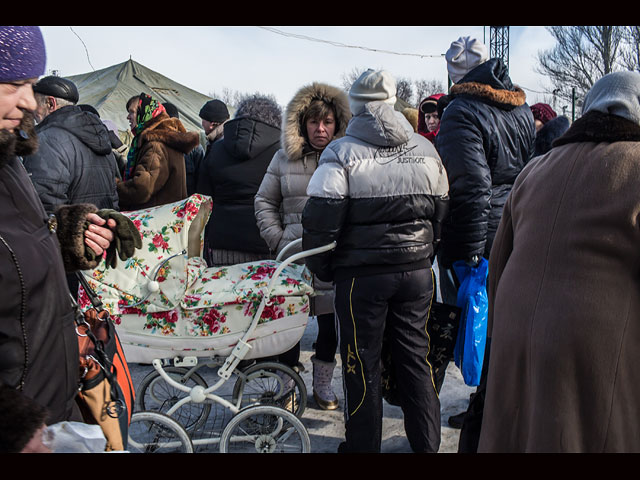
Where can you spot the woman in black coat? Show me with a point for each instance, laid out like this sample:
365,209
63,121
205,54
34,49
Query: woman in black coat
231,174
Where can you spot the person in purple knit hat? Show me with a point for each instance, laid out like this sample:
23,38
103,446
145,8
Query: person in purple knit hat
38,342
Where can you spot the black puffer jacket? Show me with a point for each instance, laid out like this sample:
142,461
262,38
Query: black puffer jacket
486,137
74,162
231,173
379,192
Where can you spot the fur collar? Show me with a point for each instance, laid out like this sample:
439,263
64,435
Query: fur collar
293,140
598,127
13,143
506,99
171,132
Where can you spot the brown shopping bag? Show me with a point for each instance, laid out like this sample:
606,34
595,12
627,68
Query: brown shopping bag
106,393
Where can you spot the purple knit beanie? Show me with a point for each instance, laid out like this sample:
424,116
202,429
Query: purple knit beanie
22,53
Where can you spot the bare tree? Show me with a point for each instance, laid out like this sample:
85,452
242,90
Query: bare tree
404,89
230,97
631,54
350,77
426,88
581,56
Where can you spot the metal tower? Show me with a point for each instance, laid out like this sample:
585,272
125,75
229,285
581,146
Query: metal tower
499,44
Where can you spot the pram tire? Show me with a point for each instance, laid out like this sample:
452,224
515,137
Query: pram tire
253,380
158,426
191,416
265,429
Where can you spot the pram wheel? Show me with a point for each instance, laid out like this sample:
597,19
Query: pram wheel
155,394
271,383
265,429
154,432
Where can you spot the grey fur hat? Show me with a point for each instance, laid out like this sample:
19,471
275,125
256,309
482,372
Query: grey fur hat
616,93
262,108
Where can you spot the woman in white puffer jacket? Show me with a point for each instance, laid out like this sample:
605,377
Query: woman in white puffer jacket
317,114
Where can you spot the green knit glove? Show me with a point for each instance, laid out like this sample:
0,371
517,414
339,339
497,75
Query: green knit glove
127,237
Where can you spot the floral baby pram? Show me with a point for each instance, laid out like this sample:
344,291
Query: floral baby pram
167,303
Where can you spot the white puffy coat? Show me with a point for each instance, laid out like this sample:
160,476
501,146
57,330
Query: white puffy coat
283,192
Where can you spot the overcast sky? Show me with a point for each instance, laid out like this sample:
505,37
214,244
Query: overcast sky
279,60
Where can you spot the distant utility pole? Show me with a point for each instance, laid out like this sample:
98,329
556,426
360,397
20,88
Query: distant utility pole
499,44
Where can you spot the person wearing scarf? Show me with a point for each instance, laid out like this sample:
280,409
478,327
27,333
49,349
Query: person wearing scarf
155,171
429,117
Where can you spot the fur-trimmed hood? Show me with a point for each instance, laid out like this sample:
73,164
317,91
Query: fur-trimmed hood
293,140
506,99
171,132
490,83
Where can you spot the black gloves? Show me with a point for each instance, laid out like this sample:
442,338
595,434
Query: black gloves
127,237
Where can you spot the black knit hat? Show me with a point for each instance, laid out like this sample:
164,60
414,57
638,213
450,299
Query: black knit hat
214,111
171,109
57,87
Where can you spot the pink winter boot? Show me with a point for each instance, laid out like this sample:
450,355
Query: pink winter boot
322,391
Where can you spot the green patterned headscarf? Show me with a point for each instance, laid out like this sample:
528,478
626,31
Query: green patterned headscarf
148,109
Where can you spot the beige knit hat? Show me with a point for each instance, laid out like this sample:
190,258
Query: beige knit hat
464,55
372,86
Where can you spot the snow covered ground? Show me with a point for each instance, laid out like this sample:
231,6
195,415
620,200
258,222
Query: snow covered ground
326,428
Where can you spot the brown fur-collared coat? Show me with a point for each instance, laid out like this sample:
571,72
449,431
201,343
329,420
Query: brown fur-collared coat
159,176
486,137
564,298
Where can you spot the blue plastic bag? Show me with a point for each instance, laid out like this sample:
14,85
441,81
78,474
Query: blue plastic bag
472,332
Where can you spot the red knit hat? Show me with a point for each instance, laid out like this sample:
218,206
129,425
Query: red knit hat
543,112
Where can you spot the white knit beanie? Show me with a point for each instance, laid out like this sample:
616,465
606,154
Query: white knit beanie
464,55
616,93
372,86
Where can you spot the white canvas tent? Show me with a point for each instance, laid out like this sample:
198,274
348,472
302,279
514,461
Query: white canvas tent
109,89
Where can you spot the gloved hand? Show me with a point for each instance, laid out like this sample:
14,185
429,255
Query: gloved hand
126,237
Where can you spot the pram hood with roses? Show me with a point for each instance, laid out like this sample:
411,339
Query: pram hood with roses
166,302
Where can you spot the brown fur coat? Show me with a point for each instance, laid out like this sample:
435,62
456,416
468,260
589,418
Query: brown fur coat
159,176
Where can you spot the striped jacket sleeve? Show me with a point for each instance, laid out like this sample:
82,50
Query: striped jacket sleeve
325,211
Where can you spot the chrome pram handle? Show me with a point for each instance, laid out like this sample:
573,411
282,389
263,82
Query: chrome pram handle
153,286
242,347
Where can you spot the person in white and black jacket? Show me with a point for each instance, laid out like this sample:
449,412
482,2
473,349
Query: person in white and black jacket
380,192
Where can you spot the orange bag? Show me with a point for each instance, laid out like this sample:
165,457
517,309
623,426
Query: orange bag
106,395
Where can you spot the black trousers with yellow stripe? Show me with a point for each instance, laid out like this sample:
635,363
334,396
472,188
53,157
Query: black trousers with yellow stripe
394,305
